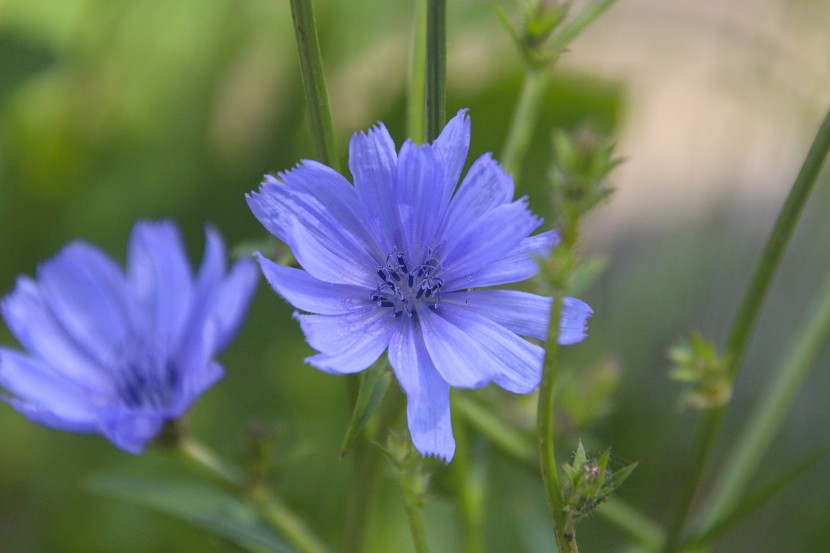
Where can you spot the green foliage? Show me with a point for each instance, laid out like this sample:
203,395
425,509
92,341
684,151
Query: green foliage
697,363
209,508
589,482
374,382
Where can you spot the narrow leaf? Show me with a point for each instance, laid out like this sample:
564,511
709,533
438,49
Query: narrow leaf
755,501
374,382
208,508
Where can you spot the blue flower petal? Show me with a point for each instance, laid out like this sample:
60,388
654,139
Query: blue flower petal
523,313
419,198
451,149
231,301
34,326
485,187
317,207
349,342
427,394
87,293
309,294
41,389
460,361
372,162
488,239
158,276
113,356
516,364
129,430
325,261
518,265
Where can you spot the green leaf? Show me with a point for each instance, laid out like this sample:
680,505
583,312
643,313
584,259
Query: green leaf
207,508
755,501
374,382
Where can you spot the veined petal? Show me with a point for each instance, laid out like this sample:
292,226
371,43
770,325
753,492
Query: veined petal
159,279
372,162
323,203
485,187
451,149
524,313
325,261
44,389
419,197
515,362
459,360
427,394
87,293
309,294
34,325
518,265
488,239
350,342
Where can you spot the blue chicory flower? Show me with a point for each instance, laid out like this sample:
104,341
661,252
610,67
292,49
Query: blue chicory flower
396,262
119,354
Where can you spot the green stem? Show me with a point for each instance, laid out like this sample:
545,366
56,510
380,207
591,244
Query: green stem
562,529
416,95
579,23
314,83
512,442
287,524
269,506
777,241
436,68
366,472
469,491
647,533
535,85
768,416
747,315
751,504
412,501
524,119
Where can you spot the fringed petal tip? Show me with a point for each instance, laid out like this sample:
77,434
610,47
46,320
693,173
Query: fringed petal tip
444,456
573,325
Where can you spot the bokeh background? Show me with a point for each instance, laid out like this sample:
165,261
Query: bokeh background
113,111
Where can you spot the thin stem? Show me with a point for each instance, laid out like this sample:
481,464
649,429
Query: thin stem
579,23
436,68
412,501
268,505
288,524
747,315
367,471
777,241
524,119
314,83
647,532
469,491
768,416
416,95
512,442
562,530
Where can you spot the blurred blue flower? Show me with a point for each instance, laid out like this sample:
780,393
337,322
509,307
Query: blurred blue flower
396,261
120,354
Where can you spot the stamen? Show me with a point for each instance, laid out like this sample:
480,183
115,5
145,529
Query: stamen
401,295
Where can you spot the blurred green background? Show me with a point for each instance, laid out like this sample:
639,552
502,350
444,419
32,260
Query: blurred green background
113,111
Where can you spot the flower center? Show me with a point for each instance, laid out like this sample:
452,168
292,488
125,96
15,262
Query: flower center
143,379
403,285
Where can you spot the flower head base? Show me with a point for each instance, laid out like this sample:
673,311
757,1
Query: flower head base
396,262
119,354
